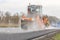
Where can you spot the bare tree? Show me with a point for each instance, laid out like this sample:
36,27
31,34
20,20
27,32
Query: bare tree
7,18
15,18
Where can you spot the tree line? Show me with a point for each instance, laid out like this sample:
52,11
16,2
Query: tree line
9,19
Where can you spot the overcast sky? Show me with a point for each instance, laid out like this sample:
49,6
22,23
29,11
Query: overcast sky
50,7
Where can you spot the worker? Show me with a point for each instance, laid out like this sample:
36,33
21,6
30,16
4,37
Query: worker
26,21
45,21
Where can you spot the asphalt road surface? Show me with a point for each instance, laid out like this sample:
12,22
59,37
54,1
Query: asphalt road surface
25,36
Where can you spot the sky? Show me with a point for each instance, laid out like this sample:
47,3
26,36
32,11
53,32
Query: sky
50,7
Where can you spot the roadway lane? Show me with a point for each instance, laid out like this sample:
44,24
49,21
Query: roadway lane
24,36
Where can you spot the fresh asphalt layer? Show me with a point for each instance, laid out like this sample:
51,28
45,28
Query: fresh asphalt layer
25,36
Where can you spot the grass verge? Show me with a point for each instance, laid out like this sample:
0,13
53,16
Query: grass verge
57,36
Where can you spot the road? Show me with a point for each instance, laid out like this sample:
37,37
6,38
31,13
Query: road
25,36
